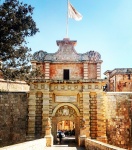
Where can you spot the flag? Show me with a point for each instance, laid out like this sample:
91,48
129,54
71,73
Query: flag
72,13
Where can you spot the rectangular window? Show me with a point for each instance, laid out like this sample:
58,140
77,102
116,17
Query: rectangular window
66,74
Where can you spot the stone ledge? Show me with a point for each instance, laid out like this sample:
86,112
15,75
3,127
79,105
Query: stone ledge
32,145
94,144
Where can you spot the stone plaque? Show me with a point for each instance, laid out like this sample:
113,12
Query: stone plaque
66,98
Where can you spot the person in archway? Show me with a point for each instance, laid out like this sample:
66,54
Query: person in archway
60,137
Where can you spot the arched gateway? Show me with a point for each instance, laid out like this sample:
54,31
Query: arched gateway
69,88
66,112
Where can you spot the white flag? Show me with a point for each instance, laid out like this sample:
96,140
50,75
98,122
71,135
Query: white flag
72,13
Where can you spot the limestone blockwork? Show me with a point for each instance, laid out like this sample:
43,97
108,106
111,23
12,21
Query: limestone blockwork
67,102
13,117
93,115
21,118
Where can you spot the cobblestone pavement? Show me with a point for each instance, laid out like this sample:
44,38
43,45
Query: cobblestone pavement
68,143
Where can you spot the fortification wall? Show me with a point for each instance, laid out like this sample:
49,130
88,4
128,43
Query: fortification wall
118,118
13,117
13,86
14,114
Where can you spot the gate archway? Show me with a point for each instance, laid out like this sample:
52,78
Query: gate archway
65,112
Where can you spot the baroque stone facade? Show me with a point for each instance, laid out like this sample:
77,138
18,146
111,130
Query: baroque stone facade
71,89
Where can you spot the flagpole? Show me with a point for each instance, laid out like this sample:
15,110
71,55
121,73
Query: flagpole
67,21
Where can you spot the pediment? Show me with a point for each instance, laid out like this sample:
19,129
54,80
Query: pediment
66,53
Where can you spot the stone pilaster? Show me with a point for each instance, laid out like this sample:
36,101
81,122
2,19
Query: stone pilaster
101,121
38,117
84,126
86,113
93,115
98,70
45,109
34,65
47,70
31,116
85,73
81,108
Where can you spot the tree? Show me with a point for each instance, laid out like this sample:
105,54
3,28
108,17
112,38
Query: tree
16,23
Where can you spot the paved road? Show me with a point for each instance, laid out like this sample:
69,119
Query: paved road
68,143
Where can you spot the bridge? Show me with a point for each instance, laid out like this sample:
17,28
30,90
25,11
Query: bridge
68,143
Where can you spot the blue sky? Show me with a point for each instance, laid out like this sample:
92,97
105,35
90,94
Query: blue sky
106,27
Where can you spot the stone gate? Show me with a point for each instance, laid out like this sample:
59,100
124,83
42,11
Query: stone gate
69,88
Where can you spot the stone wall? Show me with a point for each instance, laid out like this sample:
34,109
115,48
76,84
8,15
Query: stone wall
115,107
13,117
76,71
97,145
118,116
13,86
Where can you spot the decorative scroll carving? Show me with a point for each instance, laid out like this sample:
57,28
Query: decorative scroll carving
39,56
66,111
95,56
66,52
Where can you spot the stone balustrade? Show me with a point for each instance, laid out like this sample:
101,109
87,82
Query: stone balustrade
30,145
97,145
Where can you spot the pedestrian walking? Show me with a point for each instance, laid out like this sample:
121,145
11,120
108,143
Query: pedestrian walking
60,137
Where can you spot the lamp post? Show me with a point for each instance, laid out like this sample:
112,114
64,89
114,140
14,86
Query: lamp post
130,118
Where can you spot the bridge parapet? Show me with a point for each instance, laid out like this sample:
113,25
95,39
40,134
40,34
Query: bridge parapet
32,145
94,144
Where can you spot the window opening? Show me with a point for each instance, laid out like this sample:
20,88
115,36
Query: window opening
66,74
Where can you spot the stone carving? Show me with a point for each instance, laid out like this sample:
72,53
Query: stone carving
83,123
66,52
72,113
95,56
48,122
39,56
66,111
